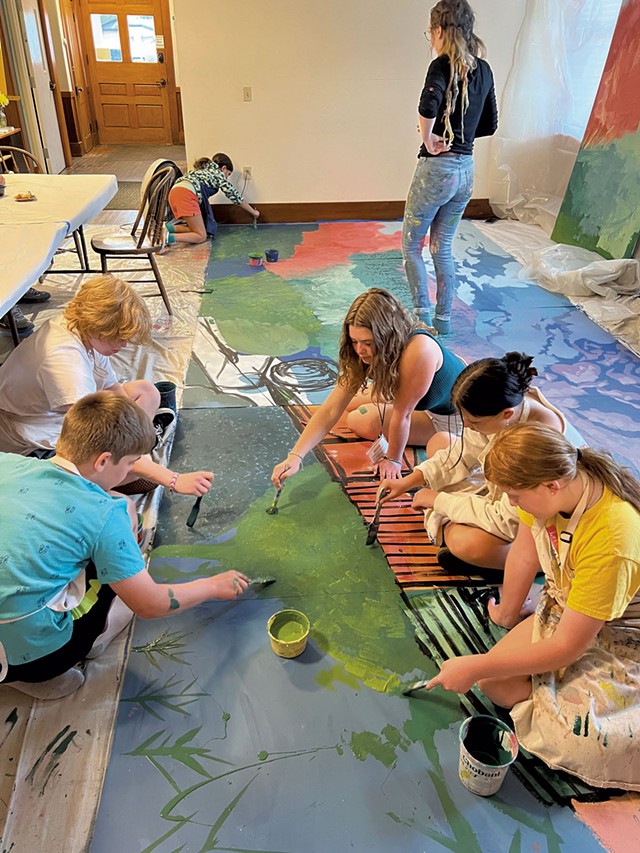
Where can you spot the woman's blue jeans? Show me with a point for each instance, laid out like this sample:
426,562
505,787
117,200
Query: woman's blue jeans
439,193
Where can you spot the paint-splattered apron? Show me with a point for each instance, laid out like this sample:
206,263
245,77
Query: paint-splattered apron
586,718
490,509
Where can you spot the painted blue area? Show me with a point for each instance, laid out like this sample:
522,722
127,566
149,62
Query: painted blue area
301,786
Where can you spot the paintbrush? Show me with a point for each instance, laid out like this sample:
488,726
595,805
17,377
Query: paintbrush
412,688
372,531
273,509
255,223
195,510
260,583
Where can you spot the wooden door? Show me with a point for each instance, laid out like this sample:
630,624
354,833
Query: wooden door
70,14
125,43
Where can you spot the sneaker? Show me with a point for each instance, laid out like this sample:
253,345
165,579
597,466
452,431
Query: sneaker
54,688
24,326
162,422
33,295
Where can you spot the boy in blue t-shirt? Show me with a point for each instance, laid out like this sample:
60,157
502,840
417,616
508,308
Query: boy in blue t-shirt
69,551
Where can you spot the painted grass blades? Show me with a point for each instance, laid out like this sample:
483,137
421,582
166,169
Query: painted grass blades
195,511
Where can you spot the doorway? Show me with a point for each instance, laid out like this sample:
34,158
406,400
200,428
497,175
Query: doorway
130,66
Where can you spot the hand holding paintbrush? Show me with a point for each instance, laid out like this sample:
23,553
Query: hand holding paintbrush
372,533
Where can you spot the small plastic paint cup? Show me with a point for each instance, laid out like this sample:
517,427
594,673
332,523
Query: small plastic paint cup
288,632
167,395
256,260
488,747
271,255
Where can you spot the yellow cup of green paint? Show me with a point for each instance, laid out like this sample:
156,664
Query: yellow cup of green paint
288,631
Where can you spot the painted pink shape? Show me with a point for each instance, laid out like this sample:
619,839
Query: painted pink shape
614,822
334,243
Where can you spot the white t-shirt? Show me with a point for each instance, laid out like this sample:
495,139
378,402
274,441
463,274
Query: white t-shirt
48,372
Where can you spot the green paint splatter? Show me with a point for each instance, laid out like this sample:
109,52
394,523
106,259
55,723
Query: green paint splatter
174,604
328,678
586,724
577,725
365,744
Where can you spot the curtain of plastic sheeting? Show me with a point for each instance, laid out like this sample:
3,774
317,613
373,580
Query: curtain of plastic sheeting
558,61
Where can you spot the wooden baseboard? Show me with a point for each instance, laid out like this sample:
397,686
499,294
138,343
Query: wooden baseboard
331,211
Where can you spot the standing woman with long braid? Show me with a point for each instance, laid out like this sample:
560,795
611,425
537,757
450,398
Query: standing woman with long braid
457,105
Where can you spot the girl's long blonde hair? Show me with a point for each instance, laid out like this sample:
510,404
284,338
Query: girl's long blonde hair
391,326
463,47
107,307
524,456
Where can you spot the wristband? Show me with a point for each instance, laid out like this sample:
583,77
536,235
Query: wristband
173,481
395,461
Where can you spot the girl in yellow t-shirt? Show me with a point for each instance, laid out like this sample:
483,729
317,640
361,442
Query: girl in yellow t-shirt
570,673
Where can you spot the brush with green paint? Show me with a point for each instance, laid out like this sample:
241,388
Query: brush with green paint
412,688
260,583
273,509
372,530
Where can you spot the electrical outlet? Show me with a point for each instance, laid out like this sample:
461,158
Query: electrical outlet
246,173
247,94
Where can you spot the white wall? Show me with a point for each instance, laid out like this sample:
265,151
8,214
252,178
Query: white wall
335,88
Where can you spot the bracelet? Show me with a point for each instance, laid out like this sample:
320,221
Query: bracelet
293,453
173,481
395,461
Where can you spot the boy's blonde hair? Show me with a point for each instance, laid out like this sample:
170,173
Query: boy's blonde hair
105,422
108,308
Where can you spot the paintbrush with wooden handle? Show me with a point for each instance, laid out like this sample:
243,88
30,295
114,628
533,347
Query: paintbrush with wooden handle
372,531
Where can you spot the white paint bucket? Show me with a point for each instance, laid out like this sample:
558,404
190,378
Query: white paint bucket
487,749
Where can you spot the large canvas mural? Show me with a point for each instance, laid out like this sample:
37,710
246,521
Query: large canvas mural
600,210
221,745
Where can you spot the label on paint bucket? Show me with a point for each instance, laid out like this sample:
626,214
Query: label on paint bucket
488,747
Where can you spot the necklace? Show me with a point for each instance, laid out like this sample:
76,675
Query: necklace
561,544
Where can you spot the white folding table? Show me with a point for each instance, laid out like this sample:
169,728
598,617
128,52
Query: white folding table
71,199
27,251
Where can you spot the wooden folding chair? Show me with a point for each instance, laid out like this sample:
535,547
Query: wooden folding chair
149,240
20,160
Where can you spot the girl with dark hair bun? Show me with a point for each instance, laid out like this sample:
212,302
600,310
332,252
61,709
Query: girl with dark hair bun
469,518
189,200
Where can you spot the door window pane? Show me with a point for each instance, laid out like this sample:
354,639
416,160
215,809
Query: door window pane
142,38
106,38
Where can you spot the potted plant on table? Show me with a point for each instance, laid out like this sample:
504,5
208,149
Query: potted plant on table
3,103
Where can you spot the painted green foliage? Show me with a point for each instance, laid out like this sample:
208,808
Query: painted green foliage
368,631
600,209
261,314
